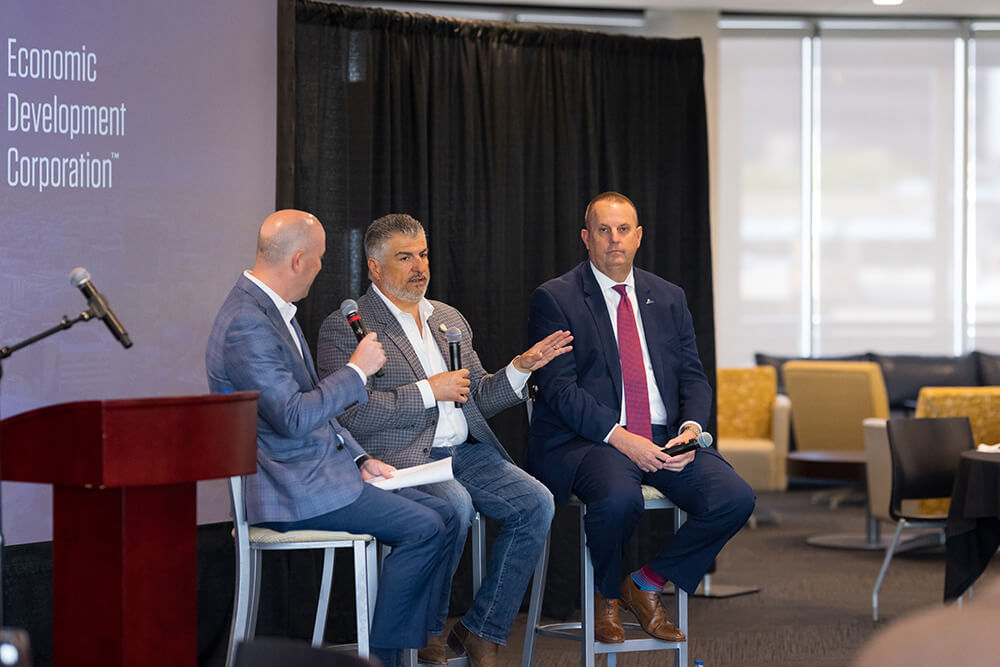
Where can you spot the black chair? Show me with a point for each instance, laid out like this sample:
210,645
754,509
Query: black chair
291,653
925,455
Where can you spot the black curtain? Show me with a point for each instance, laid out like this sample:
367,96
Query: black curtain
495,137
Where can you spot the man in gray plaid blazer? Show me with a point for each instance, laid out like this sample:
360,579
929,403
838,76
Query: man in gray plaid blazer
411,418
310,471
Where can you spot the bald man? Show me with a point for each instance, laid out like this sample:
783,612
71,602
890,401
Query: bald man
310,472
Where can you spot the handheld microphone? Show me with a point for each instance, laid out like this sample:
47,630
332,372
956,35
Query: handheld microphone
454,338
98,305
349,309
703,439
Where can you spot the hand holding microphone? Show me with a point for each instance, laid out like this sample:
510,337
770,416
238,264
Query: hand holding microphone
453,385
369,355
703,439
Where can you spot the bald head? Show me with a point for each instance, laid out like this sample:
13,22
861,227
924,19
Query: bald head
290,247
283,234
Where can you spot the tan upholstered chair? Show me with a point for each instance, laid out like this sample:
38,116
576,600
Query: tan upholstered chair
754,425
980,404
830,400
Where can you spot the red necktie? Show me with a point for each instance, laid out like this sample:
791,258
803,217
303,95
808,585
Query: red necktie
633,369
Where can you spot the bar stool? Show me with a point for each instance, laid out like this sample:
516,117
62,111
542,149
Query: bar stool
251,541
583,630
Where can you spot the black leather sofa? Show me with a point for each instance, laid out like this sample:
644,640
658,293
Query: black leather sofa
905,374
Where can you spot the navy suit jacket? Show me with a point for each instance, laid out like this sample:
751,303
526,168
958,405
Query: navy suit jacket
579,394
305,459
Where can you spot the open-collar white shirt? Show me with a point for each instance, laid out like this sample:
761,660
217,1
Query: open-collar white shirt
452,427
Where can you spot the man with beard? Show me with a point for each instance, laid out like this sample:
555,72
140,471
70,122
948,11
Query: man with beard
411,418
310,472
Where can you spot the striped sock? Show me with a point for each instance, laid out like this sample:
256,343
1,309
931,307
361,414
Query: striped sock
647,580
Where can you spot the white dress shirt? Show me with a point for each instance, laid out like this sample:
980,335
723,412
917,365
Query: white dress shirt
657,409
452,427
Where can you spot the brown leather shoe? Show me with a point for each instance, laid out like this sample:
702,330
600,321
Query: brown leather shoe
607,626
649,611
481,652
434,653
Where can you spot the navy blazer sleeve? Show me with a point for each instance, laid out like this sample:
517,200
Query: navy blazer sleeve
559,381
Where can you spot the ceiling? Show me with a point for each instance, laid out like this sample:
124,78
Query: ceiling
850,7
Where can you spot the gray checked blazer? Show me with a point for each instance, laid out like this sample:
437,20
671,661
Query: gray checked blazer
305,459
394,425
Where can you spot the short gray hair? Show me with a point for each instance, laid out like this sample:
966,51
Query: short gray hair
382,229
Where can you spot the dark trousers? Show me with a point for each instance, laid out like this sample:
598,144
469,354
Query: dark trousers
717,501
420,529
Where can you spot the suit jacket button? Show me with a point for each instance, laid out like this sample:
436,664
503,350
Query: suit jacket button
425,450
339,447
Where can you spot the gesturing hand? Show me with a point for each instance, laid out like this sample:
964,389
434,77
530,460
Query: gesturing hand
544,351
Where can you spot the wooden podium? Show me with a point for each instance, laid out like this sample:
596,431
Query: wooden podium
124,527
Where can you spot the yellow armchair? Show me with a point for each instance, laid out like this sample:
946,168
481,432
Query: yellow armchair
980,404
754,425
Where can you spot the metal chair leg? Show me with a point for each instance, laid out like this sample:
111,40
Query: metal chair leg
323,604
885,566
241,603
255,569
478,533
535,606
586,597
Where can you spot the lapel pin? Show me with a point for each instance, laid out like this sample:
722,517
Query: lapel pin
649,301
443,327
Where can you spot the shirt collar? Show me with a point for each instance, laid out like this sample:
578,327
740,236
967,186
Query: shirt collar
606,283
425,308
286,309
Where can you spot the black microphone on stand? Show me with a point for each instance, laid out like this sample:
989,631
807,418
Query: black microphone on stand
703,439
454,338
99,307
349,309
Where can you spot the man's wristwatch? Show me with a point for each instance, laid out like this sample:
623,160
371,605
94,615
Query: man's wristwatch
360,461
691,427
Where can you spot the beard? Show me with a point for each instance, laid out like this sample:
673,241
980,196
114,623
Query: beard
410,292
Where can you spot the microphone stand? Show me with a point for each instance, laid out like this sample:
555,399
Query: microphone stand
5,352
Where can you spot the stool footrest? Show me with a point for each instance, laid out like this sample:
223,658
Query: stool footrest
572,631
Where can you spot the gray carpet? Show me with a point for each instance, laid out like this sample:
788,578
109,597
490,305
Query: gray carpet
814,608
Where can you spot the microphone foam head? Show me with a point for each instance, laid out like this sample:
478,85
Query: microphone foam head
453,335
348,307
79,276
705,439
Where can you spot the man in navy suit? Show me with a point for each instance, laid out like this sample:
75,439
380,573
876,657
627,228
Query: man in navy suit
310,472
632,385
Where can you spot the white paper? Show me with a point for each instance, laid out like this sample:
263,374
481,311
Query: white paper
428,473
993,449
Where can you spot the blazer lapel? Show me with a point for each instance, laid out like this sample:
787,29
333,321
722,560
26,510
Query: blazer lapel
393,332
306,354
599,311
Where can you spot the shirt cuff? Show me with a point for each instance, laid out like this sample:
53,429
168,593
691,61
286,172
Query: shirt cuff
607,438
426,393
516,378
357,369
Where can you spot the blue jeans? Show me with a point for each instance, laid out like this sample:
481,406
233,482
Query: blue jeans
488,483
420,529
